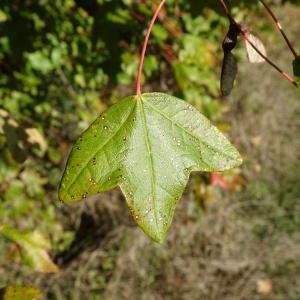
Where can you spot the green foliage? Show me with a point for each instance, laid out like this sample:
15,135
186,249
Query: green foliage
32,247
23,200
148,145
194,69
63,63
20,293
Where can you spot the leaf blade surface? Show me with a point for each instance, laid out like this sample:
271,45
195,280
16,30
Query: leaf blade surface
155,141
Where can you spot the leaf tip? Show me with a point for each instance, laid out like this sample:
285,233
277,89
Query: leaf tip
239,160
63,194
50,268
158,237
236,159
156,233
159,241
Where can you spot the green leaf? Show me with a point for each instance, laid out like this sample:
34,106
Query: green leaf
296,67
20,293
3,16
33,248
147,145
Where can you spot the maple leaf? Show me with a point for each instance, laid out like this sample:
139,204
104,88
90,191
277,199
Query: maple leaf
148,145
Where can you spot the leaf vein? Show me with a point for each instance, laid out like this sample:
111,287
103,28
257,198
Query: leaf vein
147,142
99,149
185,130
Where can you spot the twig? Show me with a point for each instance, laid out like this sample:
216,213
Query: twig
279,27
72,93
284,74
247,39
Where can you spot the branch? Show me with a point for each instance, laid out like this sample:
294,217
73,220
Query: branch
279,27
247,39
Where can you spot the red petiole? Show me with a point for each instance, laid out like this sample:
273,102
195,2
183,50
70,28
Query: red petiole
143,53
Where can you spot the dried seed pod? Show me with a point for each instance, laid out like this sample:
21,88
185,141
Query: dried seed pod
229,72
230,66
230,39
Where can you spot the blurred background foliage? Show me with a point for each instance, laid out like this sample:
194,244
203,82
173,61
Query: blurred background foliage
62,63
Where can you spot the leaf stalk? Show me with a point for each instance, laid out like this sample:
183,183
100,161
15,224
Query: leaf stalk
144,48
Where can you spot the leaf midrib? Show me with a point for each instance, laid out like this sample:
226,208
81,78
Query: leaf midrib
147,142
